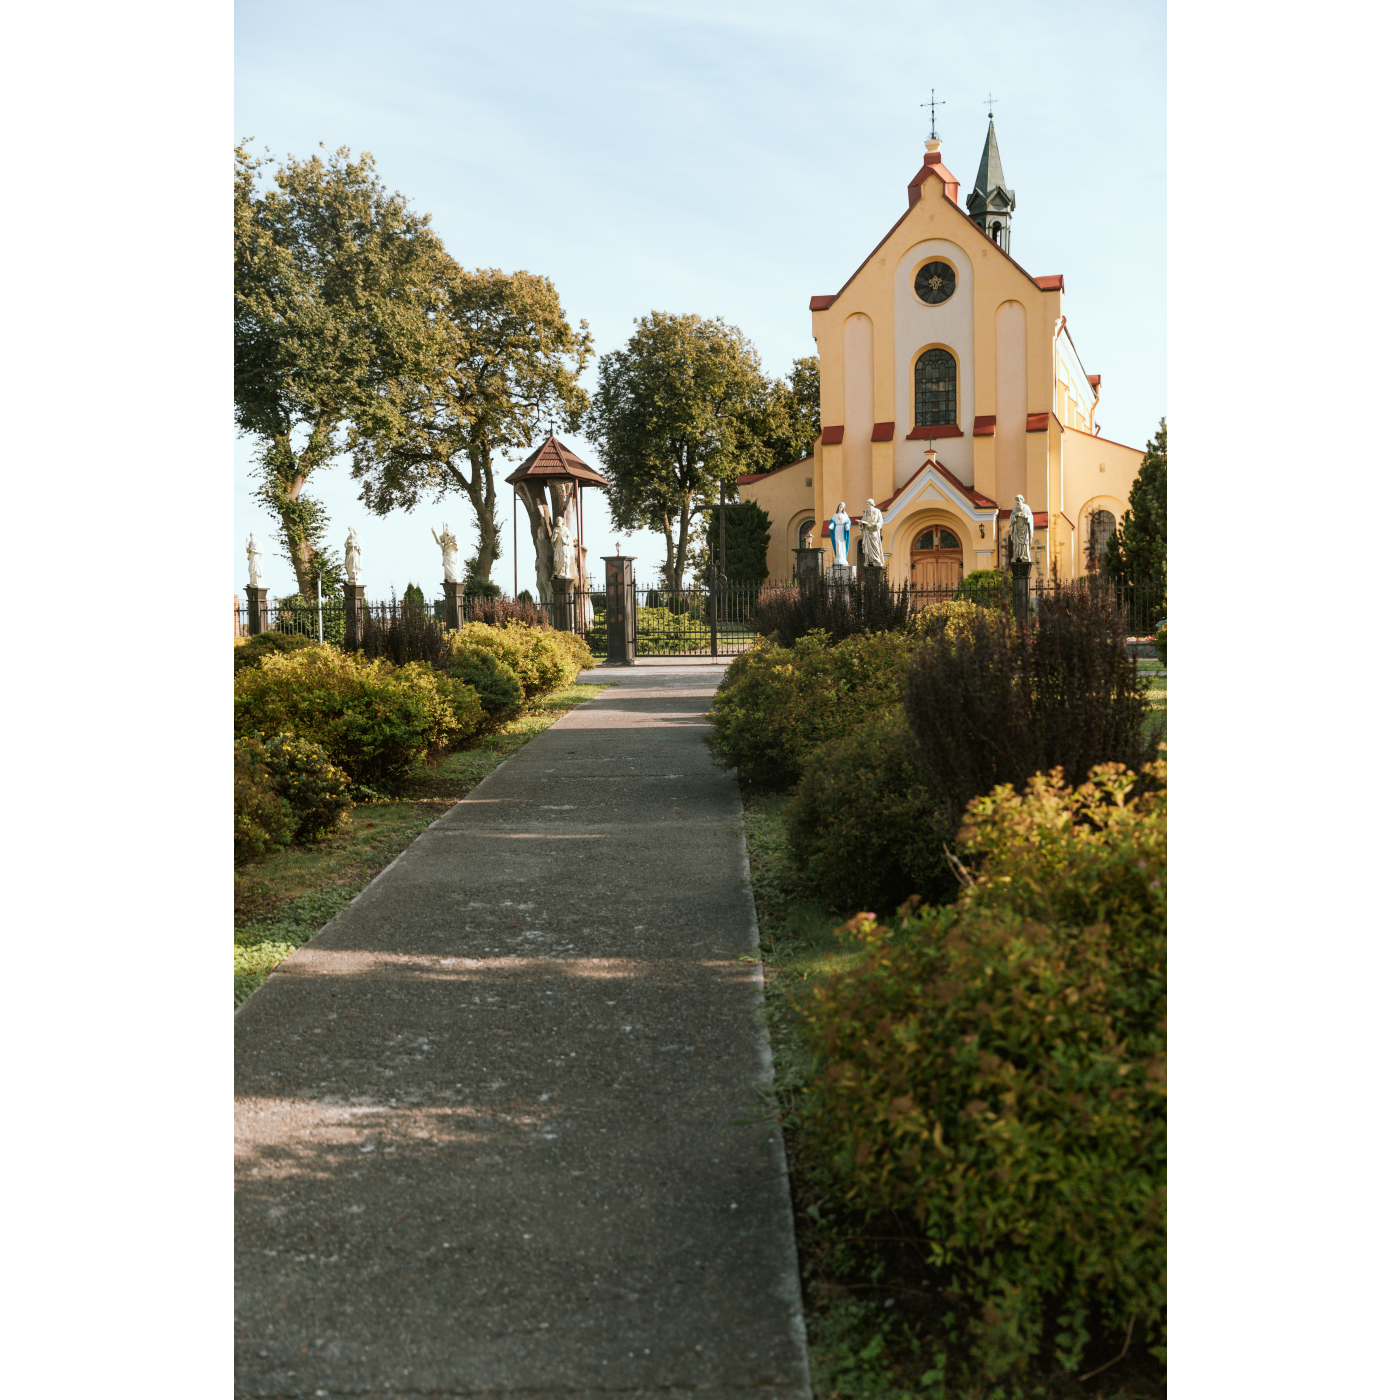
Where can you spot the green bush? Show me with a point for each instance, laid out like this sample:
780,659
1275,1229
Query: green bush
252,650
988,588
776,704
577,650
374,719
861,824
263,822
996,1070
537,655
955,617
318,791
297,618
497,685
1160,641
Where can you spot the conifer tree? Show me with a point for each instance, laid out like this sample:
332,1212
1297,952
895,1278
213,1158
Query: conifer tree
1138,551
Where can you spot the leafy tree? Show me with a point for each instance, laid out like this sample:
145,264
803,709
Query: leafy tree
1138,551
330,310
413,597
798,410
510,363
746,535
681,408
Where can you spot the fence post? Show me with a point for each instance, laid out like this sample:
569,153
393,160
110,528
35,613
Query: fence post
622,613
453,595
354,616
714,612
257,610
1021,591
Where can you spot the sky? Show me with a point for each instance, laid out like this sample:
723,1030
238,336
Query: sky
722,159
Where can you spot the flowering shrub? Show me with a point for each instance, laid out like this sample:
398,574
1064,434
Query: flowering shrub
542,658
318,791
373,719
250,652
776,704
997,1069
263,822
497,685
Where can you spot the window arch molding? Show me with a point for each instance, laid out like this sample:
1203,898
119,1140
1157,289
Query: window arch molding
938,405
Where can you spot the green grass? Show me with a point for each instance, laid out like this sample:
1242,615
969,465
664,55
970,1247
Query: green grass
283,900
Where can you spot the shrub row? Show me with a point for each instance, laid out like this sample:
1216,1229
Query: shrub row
285,789
996,1071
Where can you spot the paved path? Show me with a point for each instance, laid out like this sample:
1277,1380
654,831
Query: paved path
486,1136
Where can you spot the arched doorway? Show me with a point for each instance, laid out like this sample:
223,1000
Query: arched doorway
936,561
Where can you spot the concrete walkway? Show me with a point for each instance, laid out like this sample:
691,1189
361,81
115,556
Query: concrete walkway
487,1135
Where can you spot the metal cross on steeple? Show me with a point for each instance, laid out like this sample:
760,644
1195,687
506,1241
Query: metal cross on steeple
933,106
990,100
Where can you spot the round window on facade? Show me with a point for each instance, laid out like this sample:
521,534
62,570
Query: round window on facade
935,282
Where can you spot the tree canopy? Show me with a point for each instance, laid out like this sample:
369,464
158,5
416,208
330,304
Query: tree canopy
1138,551
797,413
679,409
332,299
510,364
747,531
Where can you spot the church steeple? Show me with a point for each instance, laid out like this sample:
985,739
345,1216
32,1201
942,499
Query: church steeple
990,203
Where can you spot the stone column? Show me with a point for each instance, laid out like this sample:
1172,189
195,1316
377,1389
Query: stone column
354,615
809,564
622,609
257,610
455,596
562,605
1021,591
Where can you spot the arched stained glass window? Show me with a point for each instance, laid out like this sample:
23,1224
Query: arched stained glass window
935,389
1101,528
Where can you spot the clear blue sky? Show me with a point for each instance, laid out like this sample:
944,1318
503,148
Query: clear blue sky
726,159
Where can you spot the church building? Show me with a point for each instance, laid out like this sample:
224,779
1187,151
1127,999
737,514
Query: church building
950,384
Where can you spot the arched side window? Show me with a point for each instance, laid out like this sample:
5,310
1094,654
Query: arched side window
935,389
996,232
804,532
1101,528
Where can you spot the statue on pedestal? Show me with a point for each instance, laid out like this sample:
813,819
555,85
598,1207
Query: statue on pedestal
352,557
447,542
871,523
254,554
563,541
1022,531
840,534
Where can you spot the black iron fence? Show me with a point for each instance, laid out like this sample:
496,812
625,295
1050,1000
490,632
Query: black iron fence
698,621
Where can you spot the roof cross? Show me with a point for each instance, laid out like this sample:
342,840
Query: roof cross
933,105
990,100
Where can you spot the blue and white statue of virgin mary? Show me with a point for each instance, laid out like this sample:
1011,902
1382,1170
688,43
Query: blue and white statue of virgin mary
840,533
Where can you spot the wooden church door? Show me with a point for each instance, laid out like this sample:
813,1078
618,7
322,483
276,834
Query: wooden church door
936,560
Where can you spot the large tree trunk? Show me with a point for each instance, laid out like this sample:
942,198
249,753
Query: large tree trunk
544,504
481,490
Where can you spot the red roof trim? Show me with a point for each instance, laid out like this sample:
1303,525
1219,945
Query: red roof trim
749,478
1037,422
822,302
984,425
1094,380
976,497
831,437
1054,283
1042,518
882,432
935,430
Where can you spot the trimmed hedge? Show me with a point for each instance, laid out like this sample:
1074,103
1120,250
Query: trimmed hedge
497,685
374,719
997,1071
776,704
861,824
541,657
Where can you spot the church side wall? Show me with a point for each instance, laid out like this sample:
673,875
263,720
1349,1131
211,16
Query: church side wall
858,353
1098,473
787,498
1011,402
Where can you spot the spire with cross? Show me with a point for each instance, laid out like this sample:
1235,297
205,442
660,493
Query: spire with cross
933,104
990,100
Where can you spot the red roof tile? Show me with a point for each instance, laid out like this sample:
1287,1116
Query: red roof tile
1054,283
984,425
820,303
882,432
551,460
1038,422
831,437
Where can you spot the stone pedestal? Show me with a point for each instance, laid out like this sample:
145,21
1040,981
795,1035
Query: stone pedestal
563,610
354,615
1021,591
257,610
840,575
621,596
454,599
808,566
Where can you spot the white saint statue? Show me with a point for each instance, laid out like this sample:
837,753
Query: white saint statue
254,554
352,557
1022,531
447,542
840,533
563,541
871,523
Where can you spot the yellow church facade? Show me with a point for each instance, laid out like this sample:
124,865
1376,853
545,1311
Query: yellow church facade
950,384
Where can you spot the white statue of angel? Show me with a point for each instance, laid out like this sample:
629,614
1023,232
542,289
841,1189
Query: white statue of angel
447,542
871,523
352,557
254,554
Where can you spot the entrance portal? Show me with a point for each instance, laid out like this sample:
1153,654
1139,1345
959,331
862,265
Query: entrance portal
936,560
